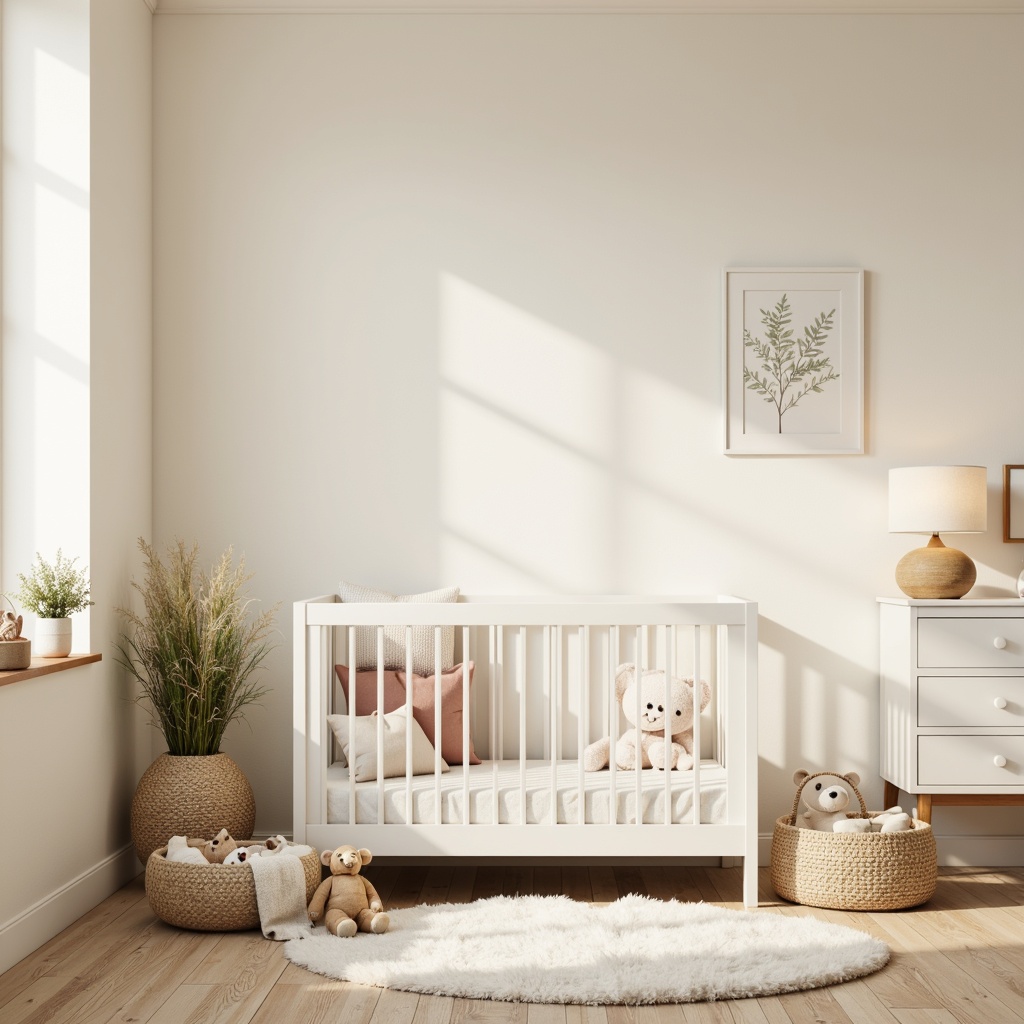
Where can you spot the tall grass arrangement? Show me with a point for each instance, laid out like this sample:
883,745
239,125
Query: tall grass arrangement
195,646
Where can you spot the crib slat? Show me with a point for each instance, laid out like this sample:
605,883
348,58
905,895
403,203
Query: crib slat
696,725
670,661
352,686
495,641
549,684
584,721
323,674
437,725
409,816
639,763
380,726
521,681
613,726
466,817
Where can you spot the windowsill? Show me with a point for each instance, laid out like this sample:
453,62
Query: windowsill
45,666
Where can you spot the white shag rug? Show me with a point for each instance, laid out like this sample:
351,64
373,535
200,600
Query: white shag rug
550,949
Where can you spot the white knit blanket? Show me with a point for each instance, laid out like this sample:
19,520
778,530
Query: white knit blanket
281,896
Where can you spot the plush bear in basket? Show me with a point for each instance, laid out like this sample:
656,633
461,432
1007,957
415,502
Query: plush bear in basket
650,735
352,902
824,798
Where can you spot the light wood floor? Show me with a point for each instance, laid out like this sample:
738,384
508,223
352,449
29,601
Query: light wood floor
959,958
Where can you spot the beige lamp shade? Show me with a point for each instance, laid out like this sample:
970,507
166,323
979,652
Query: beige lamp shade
938,499
934,499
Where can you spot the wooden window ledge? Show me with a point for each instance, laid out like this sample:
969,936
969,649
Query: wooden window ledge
45,666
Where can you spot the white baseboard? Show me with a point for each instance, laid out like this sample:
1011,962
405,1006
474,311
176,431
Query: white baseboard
27,931
955,850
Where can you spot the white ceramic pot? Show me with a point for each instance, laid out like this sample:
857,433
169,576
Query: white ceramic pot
52,638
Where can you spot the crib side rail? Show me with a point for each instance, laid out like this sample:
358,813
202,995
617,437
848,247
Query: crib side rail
317,621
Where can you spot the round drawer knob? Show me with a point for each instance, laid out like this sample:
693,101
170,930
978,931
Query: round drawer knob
999,761
1000,703
999,643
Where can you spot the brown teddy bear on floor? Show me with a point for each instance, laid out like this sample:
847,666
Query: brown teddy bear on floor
352,902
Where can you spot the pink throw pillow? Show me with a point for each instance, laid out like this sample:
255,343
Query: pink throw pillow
422,704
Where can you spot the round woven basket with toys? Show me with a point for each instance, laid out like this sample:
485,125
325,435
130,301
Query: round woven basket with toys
871,870
211,897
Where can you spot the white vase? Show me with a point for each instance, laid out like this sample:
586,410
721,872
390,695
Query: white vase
52,638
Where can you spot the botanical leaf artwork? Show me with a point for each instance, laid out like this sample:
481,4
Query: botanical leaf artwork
791,367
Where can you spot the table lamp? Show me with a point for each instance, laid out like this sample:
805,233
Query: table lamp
937,499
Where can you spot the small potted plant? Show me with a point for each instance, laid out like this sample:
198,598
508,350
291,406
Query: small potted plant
15,650
193,648
54,593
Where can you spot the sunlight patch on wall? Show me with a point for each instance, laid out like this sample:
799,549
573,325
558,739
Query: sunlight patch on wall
524,447
61,120
61,313
46,269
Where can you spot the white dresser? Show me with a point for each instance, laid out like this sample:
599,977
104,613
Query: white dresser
952,701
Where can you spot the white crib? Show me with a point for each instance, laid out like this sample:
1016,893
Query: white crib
542,689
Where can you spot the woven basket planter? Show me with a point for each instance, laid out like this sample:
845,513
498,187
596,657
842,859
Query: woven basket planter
853,870
211,897
190,796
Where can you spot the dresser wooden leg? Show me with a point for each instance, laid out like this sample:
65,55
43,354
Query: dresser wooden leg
891,795
924,807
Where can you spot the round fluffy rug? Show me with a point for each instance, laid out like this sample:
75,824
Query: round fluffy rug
550,949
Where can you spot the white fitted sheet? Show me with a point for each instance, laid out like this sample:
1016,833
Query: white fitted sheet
486,780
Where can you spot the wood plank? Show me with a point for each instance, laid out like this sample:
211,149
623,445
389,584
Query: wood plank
407,889
959,959
547,880
436,886
603,885
46,666
544,1013
629,880
576,883
482,1011
518,881
76,936
434,1010
461,889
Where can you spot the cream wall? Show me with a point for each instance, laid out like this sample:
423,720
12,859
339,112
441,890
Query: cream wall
76,416
437,300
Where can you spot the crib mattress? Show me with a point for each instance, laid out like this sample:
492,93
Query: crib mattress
488,784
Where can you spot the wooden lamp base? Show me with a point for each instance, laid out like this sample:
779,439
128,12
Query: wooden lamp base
935,572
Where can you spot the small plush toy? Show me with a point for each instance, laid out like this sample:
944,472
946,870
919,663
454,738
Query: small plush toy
243,854
893,819
273,845
651,732
218,848
179,850
352,902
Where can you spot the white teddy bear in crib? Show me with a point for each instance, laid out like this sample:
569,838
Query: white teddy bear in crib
653,716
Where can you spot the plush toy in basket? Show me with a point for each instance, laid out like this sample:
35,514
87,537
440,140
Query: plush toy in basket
824,856
205,886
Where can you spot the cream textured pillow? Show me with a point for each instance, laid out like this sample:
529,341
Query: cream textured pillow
395,727
394,636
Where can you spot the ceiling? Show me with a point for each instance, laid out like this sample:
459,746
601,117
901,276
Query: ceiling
587,6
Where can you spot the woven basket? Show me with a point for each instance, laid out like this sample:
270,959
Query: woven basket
190,796
211,897
853,870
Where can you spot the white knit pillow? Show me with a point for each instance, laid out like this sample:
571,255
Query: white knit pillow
394,636
363,759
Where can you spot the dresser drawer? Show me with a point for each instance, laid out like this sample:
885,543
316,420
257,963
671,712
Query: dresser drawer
970,643
970,761
985,701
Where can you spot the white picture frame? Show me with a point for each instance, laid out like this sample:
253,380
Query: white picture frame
793,360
